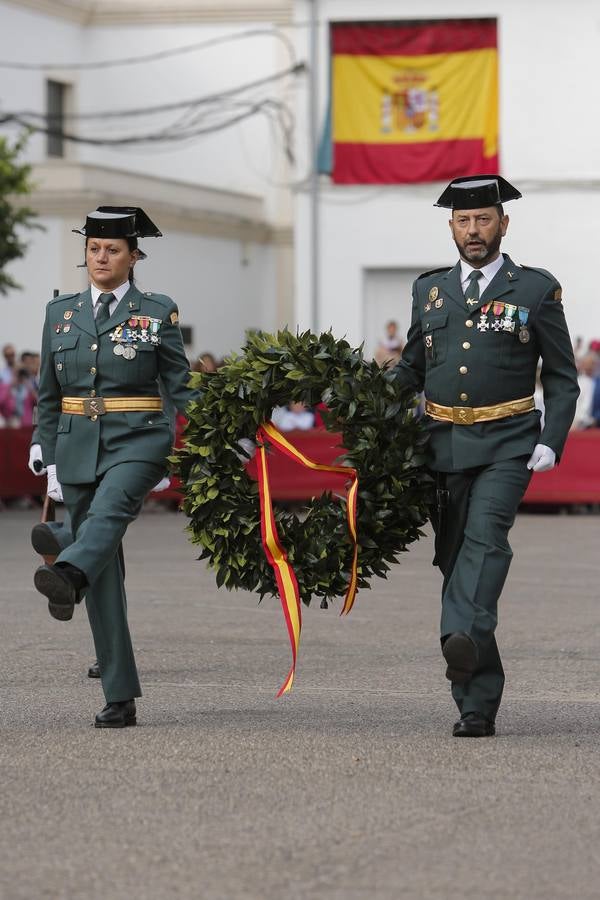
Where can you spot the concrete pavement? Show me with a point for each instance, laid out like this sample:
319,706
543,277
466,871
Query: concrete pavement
350,788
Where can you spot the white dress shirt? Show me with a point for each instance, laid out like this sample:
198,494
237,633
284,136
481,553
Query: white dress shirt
119,293
487,273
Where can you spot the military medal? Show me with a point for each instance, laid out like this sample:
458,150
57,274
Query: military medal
66,329
68,314
433,294
508,322
427,307
483,324
129,352
498,310
524,335
118,349
439,303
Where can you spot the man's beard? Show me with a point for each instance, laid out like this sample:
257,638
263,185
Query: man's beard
483,253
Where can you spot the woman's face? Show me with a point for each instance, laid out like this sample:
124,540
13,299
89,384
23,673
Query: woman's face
109,261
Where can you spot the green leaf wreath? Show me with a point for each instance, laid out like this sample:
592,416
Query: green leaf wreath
382,439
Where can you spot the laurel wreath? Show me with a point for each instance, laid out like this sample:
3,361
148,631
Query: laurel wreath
382,438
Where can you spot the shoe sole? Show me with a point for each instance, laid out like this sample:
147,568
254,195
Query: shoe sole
126,724
93,674
44,542
460,653
60,597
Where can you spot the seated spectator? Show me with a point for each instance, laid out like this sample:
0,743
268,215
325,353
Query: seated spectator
390,347
293,416
588,372
7,405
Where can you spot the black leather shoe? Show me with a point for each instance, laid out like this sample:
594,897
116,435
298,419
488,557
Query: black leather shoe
473,724
117,715
461,654
44,542
61,585
94,670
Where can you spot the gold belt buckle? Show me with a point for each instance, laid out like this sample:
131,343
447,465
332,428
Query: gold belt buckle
463,415
94,406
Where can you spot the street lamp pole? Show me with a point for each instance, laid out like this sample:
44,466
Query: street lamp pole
315,221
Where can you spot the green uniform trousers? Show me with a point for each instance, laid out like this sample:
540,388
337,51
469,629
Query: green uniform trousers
100,513
474,555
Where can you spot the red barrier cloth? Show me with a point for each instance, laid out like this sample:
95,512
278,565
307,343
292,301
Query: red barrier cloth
288,482
576,479
15,478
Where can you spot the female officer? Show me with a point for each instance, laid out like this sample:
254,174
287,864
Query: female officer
104,435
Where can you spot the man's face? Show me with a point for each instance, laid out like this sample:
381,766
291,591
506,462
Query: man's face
108,261
478,234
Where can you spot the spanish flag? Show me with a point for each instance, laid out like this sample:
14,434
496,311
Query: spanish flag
415,102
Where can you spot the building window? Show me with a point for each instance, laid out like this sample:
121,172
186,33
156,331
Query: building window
56,97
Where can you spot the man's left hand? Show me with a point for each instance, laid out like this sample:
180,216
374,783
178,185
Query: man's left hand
542,459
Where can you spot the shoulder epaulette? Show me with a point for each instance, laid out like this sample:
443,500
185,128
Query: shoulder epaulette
434,271
543,272
64,297
158,298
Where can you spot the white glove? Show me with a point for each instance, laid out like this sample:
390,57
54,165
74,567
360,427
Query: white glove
54,489
250,448
162,485
36,463
542,459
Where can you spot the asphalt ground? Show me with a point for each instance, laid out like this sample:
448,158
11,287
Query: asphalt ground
350,788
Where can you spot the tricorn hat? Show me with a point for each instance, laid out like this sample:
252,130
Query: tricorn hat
119,222
477,192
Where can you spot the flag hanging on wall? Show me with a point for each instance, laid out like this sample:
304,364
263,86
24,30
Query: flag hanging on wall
415,102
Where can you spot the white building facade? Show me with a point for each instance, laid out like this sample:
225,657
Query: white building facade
222,200
374,239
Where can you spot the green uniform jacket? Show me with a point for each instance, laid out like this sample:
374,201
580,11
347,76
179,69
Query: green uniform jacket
78,361
458,362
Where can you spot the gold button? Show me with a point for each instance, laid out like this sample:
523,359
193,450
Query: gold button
469,323
93,418
463,370
464,397
94,347
466,345
92,393
93,370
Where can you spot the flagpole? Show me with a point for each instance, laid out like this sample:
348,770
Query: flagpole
315,222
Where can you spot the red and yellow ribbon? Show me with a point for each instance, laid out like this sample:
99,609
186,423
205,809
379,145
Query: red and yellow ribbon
274,551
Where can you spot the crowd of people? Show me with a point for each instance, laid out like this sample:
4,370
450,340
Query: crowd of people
18,387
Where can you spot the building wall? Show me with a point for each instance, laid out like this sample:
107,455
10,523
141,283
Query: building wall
550,148
227,223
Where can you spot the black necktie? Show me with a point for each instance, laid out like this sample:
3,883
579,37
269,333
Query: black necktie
472,291
103,311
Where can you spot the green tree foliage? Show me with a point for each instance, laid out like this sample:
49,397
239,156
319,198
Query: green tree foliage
14,216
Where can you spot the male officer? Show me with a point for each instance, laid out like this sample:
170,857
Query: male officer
104,435
476,335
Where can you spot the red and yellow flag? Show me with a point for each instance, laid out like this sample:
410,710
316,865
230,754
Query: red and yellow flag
414,103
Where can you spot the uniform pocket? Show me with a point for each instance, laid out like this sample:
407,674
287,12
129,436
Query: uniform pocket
64,352
435,338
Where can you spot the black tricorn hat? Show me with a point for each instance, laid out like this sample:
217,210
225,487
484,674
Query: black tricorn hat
119,222
477,192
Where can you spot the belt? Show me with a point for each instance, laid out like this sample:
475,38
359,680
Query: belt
98,406
468,415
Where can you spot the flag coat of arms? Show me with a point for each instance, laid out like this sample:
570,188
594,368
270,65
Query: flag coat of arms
414,103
